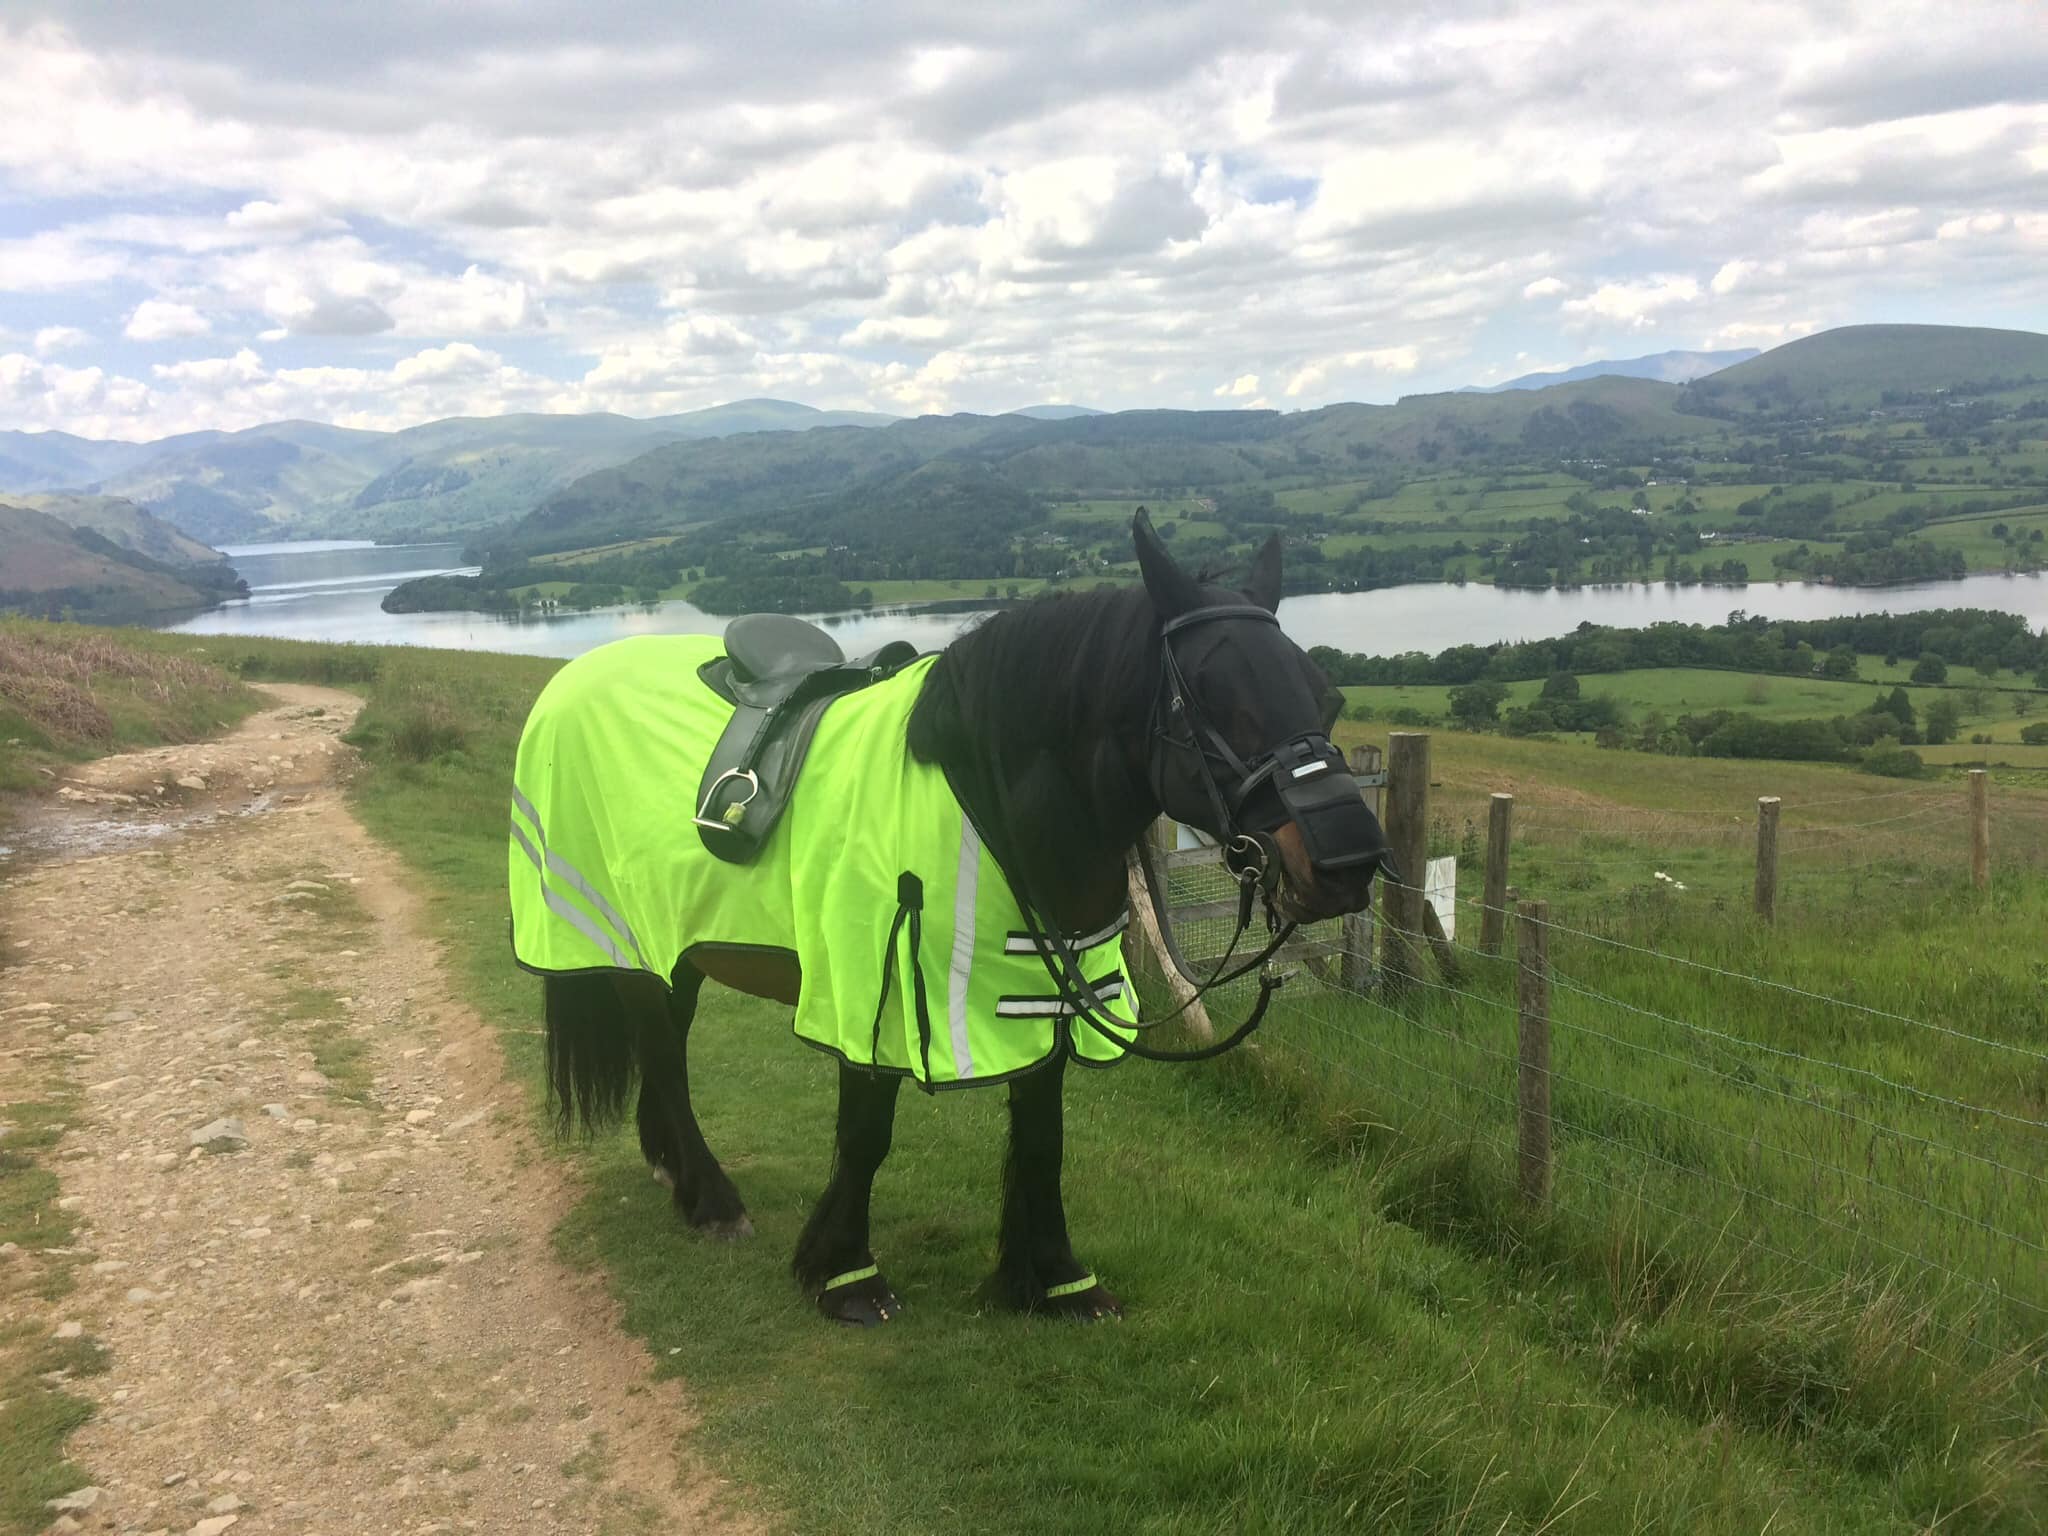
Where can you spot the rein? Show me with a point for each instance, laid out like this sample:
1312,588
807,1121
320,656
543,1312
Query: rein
1085,1004
1251,857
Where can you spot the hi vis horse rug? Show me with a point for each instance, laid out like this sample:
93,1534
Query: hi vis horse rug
914,953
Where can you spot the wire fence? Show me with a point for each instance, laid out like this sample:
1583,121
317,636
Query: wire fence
1779,1128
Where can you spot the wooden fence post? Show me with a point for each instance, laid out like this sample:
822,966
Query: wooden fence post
1194,1017
1493,915
1354,963
1767,857
1980,828
1532,1077
1407,828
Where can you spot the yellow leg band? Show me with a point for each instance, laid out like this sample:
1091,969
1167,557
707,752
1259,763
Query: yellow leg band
1071,1288
852,1275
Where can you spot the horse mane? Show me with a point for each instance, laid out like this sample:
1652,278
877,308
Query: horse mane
1054,696
1072,667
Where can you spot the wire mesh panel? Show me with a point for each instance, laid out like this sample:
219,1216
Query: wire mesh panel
1787,1138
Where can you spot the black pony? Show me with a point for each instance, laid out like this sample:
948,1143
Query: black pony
1064,728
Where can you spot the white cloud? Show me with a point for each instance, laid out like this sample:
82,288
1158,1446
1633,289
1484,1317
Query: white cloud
1969,225
59,338
1730,276
1760,333
1633,304
245,367
1238,388
164,320
456,360
911,208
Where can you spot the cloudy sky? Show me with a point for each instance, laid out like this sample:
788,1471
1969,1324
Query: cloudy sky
220,213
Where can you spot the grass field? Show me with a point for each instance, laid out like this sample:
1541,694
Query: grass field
1987,704
1341,1319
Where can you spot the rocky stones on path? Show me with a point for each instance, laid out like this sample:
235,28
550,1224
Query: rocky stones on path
190,781
226,1134
418,1116
277,1112
226,1504
68,1330
79,1501
213,1525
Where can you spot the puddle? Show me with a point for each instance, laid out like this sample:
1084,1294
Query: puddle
43,832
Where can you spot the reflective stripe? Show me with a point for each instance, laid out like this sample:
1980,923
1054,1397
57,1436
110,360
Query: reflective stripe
1020,943
1071,1288
966,886
561,907
522,804
857,1274
1109,989
573,878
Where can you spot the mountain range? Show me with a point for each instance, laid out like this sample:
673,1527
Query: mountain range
533,483
1671,367
305,479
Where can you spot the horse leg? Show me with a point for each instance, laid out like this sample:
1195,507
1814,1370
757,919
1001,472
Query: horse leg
669,1135
1036,1270
833,1261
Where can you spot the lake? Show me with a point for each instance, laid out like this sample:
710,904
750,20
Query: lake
331,591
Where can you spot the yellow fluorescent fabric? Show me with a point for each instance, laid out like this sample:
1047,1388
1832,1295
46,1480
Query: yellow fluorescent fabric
607,871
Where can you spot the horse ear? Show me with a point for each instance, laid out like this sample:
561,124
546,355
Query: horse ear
1172,590
1265,583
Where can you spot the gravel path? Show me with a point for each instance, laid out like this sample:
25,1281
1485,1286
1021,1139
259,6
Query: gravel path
315,1227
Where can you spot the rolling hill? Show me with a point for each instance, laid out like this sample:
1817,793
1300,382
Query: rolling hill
833,477
1056,412
1671,367
1862,367
298,479
122,523
49,569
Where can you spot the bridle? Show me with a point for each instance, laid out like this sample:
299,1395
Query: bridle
1303,780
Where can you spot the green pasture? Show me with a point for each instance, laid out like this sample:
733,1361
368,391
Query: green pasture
1675,691
1984,550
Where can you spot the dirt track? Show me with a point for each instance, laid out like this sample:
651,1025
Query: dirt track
343,1312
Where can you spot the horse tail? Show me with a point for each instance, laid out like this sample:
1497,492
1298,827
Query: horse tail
590,1052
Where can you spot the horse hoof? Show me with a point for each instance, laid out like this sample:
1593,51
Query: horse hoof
731,1231
865,1303
1097,1304
663,1177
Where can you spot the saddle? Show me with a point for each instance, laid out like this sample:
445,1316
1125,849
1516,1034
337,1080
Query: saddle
780,674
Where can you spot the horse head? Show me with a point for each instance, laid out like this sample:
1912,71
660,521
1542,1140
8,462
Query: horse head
1240,739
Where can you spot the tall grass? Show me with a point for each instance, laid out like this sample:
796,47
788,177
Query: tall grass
68,693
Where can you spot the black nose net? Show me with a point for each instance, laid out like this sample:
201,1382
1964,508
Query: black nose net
1242,745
